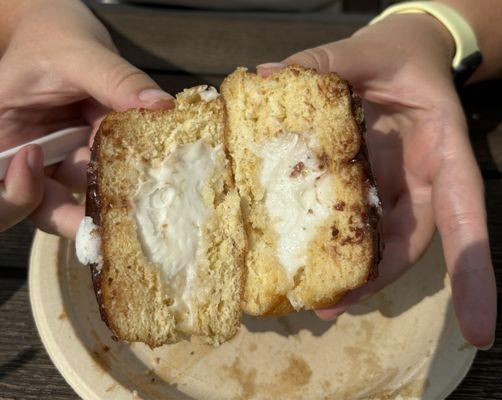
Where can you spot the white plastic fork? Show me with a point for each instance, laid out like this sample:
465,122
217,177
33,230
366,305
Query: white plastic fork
56,146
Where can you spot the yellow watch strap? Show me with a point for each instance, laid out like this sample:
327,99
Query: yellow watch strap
462,33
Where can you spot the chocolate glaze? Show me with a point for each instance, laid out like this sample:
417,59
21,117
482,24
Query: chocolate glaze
372,217
93,210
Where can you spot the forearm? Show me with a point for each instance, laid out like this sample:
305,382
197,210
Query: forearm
484,16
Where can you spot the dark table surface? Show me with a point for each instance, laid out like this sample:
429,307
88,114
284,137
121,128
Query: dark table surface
180,48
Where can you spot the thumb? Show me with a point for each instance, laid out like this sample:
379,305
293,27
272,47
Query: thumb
345,57
116,83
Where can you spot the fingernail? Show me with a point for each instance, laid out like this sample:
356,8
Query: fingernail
271,65
151,96
332,317
486,348
335,316
34,159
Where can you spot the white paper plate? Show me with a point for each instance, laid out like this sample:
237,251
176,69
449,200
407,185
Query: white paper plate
404,343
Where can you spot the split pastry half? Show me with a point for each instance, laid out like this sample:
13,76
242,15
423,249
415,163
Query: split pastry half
164,234
309,203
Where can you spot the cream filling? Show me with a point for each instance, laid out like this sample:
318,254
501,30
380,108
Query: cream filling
208,93
88,243
170,212
297,192
374,200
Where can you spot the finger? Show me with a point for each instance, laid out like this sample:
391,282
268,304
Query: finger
333,57
267,69
72,172
115,83
460,214
23,187
321,58
59,212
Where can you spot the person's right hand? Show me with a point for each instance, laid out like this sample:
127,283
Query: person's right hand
424,166
59,68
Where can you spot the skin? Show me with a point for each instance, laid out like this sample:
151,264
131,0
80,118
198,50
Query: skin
417,136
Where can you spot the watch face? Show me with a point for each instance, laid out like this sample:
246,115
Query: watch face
466,68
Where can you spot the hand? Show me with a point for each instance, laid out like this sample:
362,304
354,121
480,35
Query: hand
423,163
59,68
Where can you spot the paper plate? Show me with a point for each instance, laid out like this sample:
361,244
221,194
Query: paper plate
404,343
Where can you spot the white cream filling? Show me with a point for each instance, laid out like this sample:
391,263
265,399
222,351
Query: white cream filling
297,195
88,243
373,199
170,214
208,93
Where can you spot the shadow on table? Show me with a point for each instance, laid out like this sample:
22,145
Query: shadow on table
15,244
9,287
168,75
10,366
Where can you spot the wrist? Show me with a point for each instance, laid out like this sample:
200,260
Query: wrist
484,18
440,35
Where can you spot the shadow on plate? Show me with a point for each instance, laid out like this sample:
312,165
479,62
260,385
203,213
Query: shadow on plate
288,325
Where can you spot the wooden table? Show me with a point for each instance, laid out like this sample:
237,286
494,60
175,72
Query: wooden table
183,47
